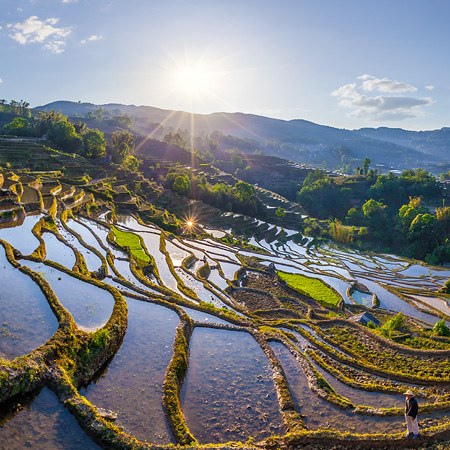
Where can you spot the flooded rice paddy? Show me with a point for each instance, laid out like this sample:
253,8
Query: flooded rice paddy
89,305
228,392
138,370
42,423
26,320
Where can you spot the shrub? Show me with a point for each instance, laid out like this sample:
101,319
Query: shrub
441,329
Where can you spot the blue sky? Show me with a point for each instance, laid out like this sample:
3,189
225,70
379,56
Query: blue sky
344,63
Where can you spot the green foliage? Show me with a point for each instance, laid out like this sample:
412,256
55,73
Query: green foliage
312,287
394,324
446,287
241,199
341,233
133,242
122,145
63,136
181,184
407,213
324,198
441,329
375,218
280,212
19,126
423,234
94,144
131,163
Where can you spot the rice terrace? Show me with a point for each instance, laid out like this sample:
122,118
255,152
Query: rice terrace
138,335
174,277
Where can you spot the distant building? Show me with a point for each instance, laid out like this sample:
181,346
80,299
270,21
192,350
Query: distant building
365,318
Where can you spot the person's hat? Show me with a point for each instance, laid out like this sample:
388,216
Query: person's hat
409,392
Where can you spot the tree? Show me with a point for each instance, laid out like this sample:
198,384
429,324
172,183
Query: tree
181,184
375,218
443,218
408,213
245,191
175,139
354,216
366,165
62,134
423,225
441,329
122,145
80,127
237,162
280,212
314,176
94,144
324,199
131,163
19,126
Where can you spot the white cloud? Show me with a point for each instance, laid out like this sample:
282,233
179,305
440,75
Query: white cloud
69,1
385,85
429,87
93,37
1,81
33,30
381,107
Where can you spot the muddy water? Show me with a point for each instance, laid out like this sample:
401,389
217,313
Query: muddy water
91,310
20,237
228,393
43,424
26,320
58,252
132,383
320,413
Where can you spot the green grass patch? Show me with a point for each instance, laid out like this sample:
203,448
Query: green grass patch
132,241
311,287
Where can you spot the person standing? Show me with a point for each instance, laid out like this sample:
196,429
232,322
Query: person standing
411,411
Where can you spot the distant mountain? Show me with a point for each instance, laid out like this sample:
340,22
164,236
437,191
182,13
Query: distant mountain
435,142
298,140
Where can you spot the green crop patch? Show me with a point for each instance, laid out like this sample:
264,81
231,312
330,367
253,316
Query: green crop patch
312,287
132,241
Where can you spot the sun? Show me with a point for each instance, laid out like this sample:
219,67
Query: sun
193,79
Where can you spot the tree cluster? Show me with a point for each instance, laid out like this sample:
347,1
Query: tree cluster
384,211
240,198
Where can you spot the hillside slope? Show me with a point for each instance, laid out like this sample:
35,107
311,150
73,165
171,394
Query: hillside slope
297,140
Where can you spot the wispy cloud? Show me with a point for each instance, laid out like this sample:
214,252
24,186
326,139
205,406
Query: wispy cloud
429,87
1,80
33,30
92,38
69,1
381,107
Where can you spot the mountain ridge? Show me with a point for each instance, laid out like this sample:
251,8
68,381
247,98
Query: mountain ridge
297,139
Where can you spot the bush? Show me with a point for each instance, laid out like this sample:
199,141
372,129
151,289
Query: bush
441,329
